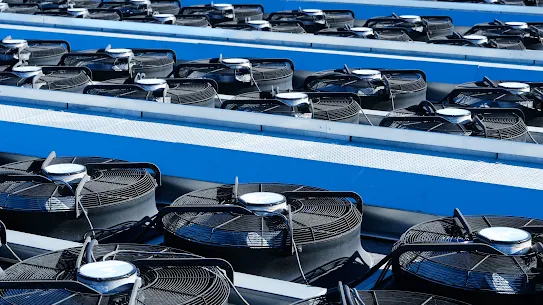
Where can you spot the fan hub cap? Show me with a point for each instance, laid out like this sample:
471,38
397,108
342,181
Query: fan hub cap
313,12
223,6
293,98
65,172
14,43
26,71
78,11
517,25
263,203
362,31
120,53
411,18
3,7
152,84
108,276
140,2
511,241
367,74
259,24
515,88
455,115
237,63
477,39
164,17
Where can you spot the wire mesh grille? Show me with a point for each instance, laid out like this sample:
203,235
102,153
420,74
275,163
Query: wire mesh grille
313,219
54,80
338,19
475,271
197,22
139,61
386,297
106,187
161,285
262,71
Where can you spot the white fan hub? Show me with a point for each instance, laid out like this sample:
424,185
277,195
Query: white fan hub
367,74
223,6
140,2
263,203
313,12
152,84
411,18
3,7
26,71
517,25
455,115
14,43
515,88
511,241
78,11
108,276
237,63
65,172
259,24
293,98
362,31
164,17
477,39
120,53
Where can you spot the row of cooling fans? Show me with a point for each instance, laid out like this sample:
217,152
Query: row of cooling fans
340,23
289,232
491,109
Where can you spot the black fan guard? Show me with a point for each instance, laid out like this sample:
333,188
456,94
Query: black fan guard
195,92
496,123
93,13
185,20
280,26
38,52
116,191
432,26
319,238
508,42
154,63
267,73
23,8
332,19
166,275
531,36
331,106
389,33
129,10
216,16
396,88
69,79
445,256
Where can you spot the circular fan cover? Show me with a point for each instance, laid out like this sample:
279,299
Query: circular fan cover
106,187
59,79
160,285
39,51
139,61
492,99
330,108
469,270
313,220
387,297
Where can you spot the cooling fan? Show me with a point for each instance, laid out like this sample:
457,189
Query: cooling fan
111,63
288,232
65,197
349,296
238,75
85,13
281,26
530,33
201,21
223,12
19,8
508,42
338,107
421,28
314,20
33,52
394,34
120,274
69,79
494,123
380,89
194,92
526,96
134,8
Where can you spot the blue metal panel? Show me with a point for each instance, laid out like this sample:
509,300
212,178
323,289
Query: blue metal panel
400,190
437,70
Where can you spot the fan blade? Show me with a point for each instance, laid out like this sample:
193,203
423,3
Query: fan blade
463,222
52,155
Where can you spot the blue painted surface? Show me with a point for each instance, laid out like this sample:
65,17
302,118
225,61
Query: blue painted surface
313,60
378,187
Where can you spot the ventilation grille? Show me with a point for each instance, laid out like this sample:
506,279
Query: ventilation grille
386,297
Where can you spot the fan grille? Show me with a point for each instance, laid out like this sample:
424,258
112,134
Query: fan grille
192,22
104,16
106,187
262,71
40,50
166,8
475,271
241,12
23,10
148,60
313,220
161,285
387,297
336,20
54,80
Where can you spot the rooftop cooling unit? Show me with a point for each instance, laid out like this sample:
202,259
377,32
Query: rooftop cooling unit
112,63
480,259
19,8
348,296
218,13
527,96
508,42
316,19
421,28
394,34
120,274
529,32
380,89
288,232
70,79
338,107
494,123
86,13
131,8
67,196
194,92
281,26
238,75
201,21
33,52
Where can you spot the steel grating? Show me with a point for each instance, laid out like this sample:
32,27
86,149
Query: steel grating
338,152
